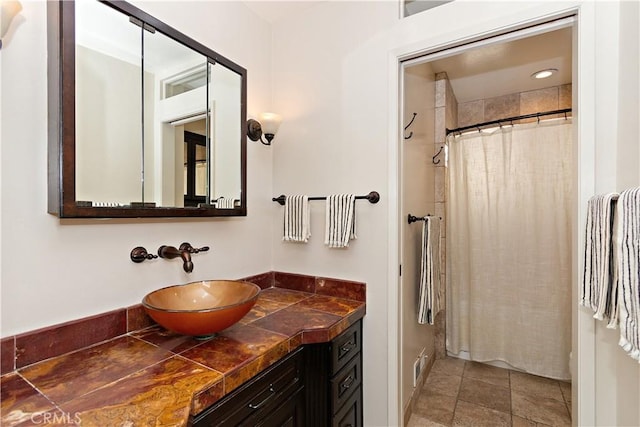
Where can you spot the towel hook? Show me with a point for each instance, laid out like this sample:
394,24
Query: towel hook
433,159
407,126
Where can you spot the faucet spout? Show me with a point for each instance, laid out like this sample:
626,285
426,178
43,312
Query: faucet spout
171,252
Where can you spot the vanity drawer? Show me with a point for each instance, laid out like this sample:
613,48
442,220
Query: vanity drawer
344,347
257,398
344,384
351,413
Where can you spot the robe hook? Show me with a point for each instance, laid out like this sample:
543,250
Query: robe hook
433,159
407,126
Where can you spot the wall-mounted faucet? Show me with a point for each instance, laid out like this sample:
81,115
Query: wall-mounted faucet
184,251
171,252
139,254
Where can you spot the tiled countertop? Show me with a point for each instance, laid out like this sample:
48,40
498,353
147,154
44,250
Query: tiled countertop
155,377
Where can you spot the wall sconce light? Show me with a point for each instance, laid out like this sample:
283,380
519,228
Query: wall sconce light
8,10
267,126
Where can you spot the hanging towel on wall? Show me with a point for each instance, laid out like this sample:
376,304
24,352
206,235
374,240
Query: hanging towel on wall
297,219
340,220
599,285
628,264
430,284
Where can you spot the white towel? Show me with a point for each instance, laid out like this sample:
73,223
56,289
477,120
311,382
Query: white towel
599,285
628,264
430,296
340,220
225,203
296,219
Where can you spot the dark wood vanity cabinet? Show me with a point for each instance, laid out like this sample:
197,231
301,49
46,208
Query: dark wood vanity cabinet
333,378
316,385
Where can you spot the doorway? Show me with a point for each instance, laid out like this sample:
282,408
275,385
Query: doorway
466,86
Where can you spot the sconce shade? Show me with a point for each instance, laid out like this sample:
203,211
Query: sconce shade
8,10
270,123
267,126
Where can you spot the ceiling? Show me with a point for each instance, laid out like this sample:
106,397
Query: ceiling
505,68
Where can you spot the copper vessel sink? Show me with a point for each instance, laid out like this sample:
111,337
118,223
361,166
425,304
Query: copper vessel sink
201,308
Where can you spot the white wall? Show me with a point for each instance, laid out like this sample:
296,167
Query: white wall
53,270
336,86
330,80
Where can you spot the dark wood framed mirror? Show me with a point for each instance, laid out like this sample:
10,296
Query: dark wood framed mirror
127,93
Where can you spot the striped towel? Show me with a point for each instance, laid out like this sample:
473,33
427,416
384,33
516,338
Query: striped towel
599,285
340,220
628,265
297,219
430,296
222,203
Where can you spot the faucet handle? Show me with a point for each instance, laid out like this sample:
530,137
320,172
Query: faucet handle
187,247
139,254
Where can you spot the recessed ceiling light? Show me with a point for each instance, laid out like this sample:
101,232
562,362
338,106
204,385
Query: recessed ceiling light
543,74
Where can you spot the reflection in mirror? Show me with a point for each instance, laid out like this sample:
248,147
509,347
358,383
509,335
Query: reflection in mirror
180,81
195,162
225,104
109,131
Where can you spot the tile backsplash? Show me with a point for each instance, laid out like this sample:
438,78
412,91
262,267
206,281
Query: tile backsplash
34,346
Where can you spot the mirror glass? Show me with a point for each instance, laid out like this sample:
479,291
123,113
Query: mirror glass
225,127
108,108
158,124
179,98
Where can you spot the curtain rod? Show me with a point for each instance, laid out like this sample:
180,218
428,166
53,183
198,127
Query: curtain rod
373,197
510,119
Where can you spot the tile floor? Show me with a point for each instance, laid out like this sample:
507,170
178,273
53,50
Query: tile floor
463,393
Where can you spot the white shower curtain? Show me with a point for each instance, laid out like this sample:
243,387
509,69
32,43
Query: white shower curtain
509,246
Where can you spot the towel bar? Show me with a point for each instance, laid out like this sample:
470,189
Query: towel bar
413,218
373,197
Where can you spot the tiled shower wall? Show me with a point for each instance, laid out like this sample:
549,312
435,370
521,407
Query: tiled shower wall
446,117
515,104
450,114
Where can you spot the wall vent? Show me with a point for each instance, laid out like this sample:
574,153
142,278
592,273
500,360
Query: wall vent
416,371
